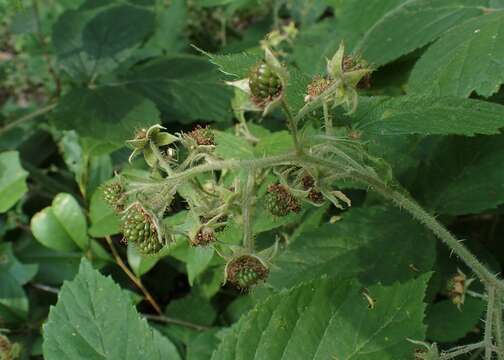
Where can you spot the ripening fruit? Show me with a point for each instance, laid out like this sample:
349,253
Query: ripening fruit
113,194
202,135
204,237
264,83
138,228
246,271
280,201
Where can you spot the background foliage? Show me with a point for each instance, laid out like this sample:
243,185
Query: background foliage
79,76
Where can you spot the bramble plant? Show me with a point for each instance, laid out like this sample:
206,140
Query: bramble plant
258,180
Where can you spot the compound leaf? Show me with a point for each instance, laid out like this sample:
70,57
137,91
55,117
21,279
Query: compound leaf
330,319
185,87
109,113
95,319
358,245
428,115
467,58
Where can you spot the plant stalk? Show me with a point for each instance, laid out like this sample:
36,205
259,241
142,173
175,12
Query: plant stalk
136,280
293,128
248,236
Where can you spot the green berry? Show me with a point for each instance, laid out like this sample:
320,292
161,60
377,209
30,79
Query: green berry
280,201
264,83
246,271
202,135
138,228
113,194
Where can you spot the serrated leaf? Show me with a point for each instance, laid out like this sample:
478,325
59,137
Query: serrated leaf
428,115
108,113
237,65
447,323
376,244
12,180
95,41
275,143
465,175
95,319
352,21
185,87
413,24
330,319
467,58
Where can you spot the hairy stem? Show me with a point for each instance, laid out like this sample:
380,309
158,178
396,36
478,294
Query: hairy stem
420,214
327,119
293,128
248,236
488,339
233,164
499,335
136,280
451,354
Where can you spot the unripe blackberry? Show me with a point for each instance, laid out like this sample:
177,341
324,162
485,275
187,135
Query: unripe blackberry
246,271
202,135
113,194
138,228
314,194
264,83
280,202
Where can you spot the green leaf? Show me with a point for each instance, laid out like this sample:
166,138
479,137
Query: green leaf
237,65
198,261
193,309
54,266
202,346
229,146
186,87
413,24
61,226
428,115
95,319
330,319
447,323
465,59
171,34
104,221
275,143
12,180
13,275
352,21
464,175
108,113
95,41
377,244
140,264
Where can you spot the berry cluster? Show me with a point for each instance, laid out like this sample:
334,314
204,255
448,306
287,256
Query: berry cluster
202,135
314,194
139,228
264,83
113,194
280,201
246,271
